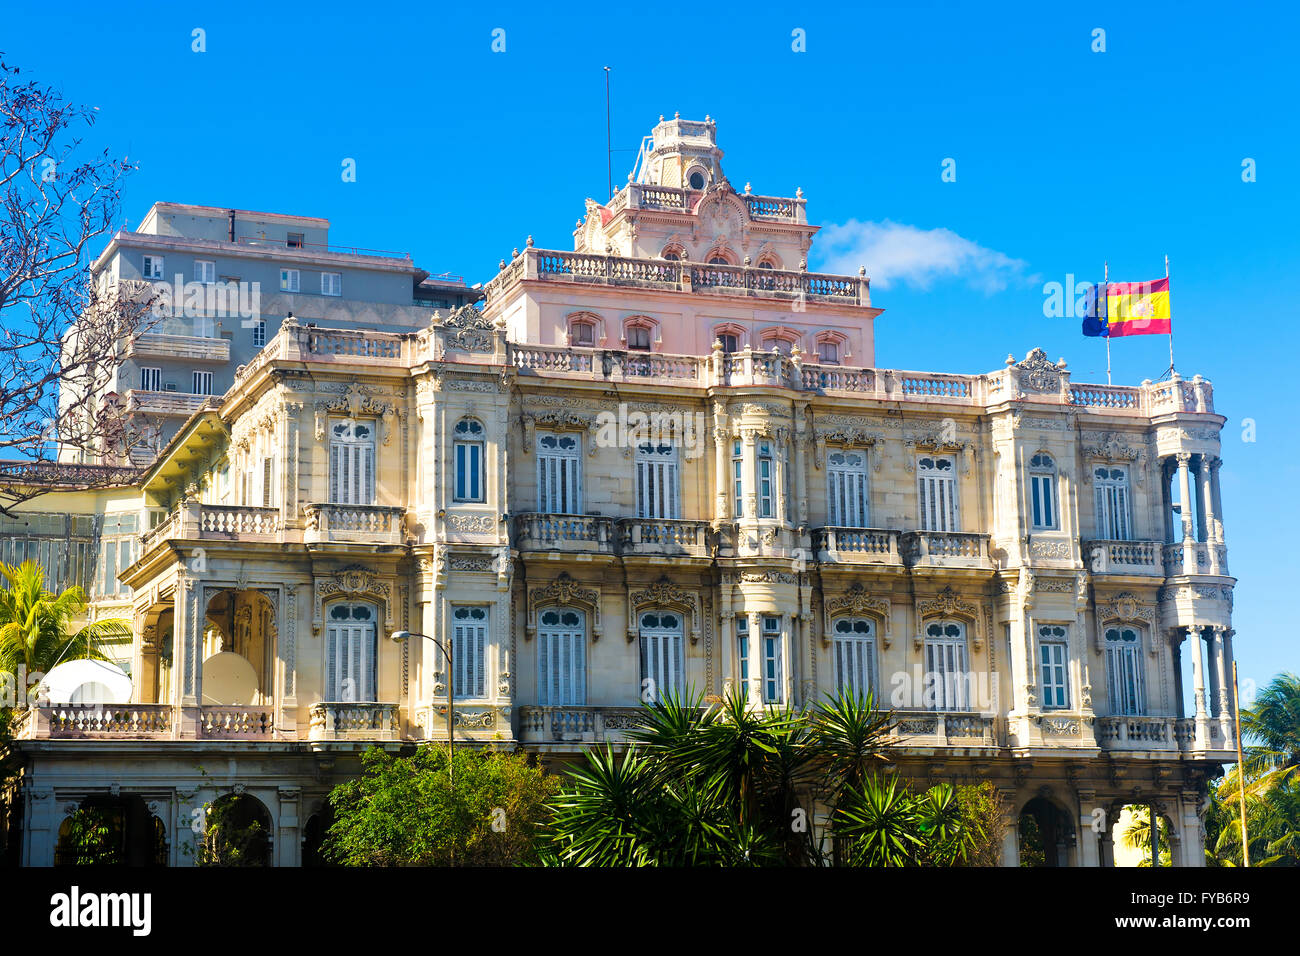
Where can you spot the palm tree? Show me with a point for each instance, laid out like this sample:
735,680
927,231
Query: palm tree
35,624
1137,835
1272,725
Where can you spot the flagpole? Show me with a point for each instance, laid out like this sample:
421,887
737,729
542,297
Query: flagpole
1171,324
1104,285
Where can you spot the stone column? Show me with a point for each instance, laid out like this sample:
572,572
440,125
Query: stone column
41,832
755,691
1011,834
727,633
1209,525
1189,849
1223,708
800,518
288,847
749,468
1198,686
1185,512
721,461
1089,851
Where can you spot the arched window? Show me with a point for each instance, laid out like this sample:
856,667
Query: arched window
469,641
561,657
352,462
1111,497
350,652
559,473
1124,683
854,642
468,455
936,477
662,667
730,335
582,333
780,343
658,486
1042,487
945,666
846,488
1053,659
672,252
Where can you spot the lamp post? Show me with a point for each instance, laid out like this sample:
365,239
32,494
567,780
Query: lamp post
399,637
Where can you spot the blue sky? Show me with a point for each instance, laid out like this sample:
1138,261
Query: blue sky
1065,158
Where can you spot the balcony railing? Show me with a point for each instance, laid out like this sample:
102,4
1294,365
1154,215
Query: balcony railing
236,723
924,728
950,549
339,720
1194,557
857,545
192,348
553,532
662,536
215,522
1125,557
1174,734
99,721
362,524
577,724
166,404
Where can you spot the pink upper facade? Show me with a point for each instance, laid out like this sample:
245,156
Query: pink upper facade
679,260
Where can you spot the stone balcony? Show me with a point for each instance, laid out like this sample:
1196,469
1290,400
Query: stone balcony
189,348
945,549
563,534
193,521
577,724
354,720
355,524
867,546
662,537
1194,557
928,729
1172,735
143,722
165,404
1124,557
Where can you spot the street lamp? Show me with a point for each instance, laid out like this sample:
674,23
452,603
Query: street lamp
400,637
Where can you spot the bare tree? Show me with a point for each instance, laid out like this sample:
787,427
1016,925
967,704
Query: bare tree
62,334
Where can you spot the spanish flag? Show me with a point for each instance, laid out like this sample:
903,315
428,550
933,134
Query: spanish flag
1128,308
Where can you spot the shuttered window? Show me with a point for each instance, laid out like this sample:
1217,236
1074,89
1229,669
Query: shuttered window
658,489
561,657
559,473
1042,491
469,641
773,662
352,463
350,653
945,666
1052,657
661,655
846,476
468,454
854,644
1110,488
1124,682
937,492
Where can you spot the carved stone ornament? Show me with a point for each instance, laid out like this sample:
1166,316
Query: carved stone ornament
857,601
356,401
1037,373
354,581
663,593
949,603
466,330
566,592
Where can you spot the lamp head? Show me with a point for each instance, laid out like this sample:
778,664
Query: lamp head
398,637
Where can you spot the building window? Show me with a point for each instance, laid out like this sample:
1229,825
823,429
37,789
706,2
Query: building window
331,283
151,379
775,344
742,651
854,643
288,280
937,490
352,463
730,342
561,657
1110,490
773,671
638,337
828,352
1124,683
1042,488
268,481
662,668
846,480
350,653
1052,655
766,473
945,666
202,383
582,333
658,489
469,638
559,473
697,178
259,334
468,454
153,267
738,479
295,240
718,261
205,271
672,255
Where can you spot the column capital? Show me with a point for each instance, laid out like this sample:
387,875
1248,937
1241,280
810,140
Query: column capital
1184,458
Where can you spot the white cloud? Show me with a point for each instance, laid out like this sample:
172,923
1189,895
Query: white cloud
894,252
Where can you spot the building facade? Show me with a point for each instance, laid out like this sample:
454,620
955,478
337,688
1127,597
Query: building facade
664,461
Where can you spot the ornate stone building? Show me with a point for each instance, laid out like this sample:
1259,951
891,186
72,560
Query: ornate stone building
664,460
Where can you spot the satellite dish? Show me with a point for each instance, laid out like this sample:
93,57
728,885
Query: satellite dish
229,680
85,682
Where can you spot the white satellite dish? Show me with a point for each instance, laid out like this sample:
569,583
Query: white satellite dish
86,682
229,680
